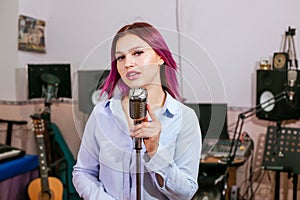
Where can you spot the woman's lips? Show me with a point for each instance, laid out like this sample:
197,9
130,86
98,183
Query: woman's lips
132,75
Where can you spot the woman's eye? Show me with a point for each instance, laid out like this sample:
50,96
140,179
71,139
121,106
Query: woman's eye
120,57
137,53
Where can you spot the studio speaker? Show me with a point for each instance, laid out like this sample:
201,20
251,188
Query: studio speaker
270,83
89,82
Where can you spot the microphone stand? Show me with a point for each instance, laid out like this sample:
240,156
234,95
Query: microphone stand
239,126
138,148
138,112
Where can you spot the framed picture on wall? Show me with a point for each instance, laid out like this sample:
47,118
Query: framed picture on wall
31,36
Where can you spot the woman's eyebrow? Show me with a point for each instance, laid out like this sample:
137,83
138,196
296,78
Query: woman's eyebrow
132,49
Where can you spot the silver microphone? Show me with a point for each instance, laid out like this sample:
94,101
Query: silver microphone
292,82
138,109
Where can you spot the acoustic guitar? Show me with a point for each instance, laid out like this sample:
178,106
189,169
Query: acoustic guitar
45,187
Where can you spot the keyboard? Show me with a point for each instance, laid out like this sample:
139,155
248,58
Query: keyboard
221,148
10,153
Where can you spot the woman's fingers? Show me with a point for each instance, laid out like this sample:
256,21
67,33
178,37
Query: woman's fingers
140,130
147,129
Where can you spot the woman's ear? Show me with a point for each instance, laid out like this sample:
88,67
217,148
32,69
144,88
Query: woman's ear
161,61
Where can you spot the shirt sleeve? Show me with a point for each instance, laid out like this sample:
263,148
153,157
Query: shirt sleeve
180,171
86,170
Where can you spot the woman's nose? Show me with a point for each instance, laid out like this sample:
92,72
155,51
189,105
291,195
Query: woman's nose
129,61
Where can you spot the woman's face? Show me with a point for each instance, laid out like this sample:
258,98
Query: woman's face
137,63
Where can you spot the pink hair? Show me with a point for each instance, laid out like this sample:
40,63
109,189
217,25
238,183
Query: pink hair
150,35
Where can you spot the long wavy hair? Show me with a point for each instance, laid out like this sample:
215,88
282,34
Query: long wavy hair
155,40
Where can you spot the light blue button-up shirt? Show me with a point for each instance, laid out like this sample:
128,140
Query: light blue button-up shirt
105,167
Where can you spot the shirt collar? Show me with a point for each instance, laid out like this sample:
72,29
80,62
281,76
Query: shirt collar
170,108
115,105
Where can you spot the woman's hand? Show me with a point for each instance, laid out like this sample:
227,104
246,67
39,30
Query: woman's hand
149,131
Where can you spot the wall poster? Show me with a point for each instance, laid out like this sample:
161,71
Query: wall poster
31,35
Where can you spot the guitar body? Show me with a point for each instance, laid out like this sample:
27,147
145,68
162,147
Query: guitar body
55,186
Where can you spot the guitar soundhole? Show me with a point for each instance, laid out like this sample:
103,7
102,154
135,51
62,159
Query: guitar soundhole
46,196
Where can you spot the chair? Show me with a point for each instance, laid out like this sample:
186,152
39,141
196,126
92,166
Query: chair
63,162
9,129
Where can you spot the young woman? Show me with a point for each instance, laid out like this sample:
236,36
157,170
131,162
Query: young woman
105,167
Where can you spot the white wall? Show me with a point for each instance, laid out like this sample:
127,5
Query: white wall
12,61
237,34
221,41
8,48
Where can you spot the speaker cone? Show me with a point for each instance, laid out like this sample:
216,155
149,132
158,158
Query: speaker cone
267,101
280,60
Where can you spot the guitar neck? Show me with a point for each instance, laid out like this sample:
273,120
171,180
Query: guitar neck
43,163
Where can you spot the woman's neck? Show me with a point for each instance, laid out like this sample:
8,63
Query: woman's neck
156,97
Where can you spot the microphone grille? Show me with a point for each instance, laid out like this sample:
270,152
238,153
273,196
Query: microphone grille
138,93
137,103
292,75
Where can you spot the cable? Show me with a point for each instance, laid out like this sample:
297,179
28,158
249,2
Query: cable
259,183
257,170
258,186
